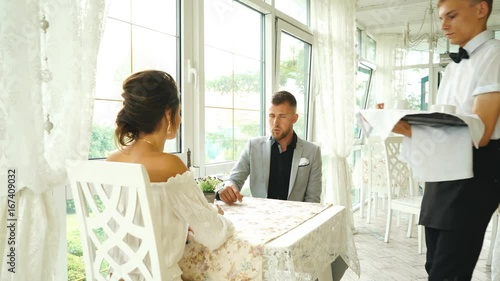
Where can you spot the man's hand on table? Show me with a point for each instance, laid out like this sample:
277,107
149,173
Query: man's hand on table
230,194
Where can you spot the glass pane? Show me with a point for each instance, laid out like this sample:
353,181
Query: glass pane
119,9
103,128
369,47
233,27
355,191
362,94
218,135
159,15
233,75
358,42
295,76
247,32
497,34
218,78
247,83
246,126
298,9
153,50
74,255
219,19
113,61
300,126
410,82
173,144
414,57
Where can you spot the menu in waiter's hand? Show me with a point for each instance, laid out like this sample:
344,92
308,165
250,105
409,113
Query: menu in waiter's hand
434,119
381,122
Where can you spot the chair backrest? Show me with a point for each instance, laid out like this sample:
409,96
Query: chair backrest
375,155
398,173
101,190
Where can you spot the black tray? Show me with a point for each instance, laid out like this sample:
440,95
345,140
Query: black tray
434,119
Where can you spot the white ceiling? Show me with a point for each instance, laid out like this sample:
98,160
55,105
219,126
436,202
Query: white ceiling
391,16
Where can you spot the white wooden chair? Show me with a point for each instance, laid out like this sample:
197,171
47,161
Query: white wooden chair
375,175
494,234
99,188
402,195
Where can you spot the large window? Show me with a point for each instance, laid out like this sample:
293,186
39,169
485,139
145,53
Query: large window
295,71
414,84
234,79
138,35
298,9
364,99
368,47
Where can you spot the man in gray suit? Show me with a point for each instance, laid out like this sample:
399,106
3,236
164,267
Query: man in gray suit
282,166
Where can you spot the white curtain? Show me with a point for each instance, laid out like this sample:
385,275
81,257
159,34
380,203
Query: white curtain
333,86
42,73
389,58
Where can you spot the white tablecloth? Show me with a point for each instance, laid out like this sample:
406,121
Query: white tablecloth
361,174
275,240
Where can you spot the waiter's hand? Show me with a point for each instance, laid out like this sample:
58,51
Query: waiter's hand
403,128
230,194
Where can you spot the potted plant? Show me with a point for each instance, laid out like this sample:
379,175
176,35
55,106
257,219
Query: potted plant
208,185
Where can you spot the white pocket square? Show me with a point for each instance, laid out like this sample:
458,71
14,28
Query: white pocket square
303,162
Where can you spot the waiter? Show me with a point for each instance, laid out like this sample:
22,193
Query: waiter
456,213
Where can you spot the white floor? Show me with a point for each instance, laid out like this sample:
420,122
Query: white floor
397,260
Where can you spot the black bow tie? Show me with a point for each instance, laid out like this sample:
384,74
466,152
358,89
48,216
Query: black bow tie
457,57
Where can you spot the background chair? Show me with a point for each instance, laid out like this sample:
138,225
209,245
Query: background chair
100,190
402,195
370,175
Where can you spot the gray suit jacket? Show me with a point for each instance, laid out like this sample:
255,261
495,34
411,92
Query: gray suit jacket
305,177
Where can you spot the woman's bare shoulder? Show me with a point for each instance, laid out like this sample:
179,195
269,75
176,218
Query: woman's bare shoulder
160,166
115,156
165,166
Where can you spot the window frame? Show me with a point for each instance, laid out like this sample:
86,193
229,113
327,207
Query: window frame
283,26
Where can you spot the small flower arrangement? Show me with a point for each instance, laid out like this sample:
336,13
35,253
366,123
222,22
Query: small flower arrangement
208,184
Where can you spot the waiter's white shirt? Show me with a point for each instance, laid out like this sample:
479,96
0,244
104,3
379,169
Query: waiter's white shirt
482,75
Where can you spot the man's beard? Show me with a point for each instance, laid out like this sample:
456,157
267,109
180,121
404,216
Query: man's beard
280,135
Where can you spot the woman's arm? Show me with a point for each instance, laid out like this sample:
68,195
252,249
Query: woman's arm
189,204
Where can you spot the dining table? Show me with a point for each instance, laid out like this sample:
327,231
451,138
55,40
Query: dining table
275,240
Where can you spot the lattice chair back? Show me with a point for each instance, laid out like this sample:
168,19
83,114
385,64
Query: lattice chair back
398,173
376,158
112,206
376,146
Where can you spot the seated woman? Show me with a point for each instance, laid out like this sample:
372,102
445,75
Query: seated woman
150,116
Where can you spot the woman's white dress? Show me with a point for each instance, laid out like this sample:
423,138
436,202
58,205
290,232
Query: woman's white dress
175,204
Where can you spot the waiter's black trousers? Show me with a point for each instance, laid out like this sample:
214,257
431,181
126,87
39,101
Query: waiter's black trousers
452,252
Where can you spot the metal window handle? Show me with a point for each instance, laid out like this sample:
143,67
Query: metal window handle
192,74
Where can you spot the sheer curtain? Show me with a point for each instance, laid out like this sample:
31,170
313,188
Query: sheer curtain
334,70
389,57
42,73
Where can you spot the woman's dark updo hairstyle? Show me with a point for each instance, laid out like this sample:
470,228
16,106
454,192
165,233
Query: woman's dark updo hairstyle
146,96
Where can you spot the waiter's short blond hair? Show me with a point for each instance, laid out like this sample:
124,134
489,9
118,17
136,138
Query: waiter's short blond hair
474,2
